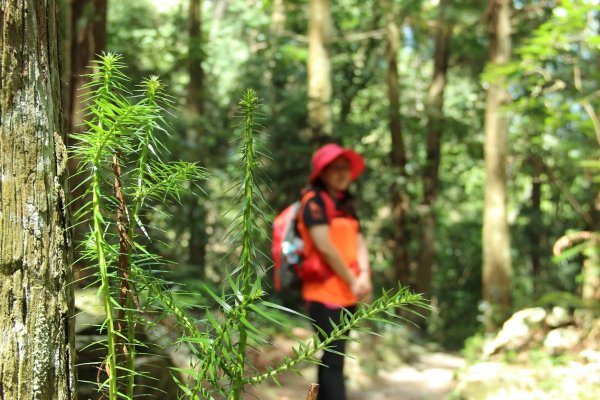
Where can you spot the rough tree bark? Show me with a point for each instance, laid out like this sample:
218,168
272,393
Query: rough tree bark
319,76
36,298
400,201
497,269
435,120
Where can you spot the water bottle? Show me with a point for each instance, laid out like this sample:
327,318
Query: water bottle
292,249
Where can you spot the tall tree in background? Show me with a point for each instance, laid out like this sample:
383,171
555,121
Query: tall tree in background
435,121
277,31
36,298
196,73
497,269
319,75
86,37
274,76
400,201
535,230
195,106
278,17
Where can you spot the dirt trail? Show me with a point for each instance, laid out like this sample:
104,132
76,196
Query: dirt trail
430,375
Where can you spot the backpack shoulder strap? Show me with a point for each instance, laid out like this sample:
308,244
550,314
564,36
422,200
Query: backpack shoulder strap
330,207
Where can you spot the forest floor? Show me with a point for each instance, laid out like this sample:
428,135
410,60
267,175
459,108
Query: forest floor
376,370
395,365
399,366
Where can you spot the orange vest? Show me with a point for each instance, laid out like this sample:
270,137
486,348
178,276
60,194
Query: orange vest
344,231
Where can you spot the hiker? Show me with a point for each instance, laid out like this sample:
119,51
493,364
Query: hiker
328,225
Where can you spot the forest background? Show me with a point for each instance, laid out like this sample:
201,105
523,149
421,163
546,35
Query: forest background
406,87
477,121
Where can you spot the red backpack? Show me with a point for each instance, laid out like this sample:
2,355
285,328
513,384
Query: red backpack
291,265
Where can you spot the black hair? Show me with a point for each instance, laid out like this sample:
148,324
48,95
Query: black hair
346,204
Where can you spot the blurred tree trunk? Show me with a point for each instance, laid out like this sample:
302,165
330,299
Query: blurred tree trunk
497,269
36,295
435,120
535,231
278,17
278,80
195,105
87,33
319,76
400,201
86,37
194,95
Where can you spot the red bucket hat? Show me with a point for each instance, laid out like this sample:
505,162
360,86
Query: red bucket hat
326,154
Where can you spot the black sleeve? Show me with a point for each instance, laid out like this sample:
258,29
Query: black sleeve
314,212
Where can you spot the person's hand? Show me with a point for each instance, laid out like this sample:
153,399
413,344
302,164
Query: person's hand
361,287
365,281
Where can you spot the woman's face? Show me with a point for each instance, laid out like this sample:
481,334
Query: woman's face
337,176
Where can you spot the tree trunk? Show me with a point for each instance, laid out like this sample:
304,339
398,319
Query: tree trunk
278,17
194,95
66,34
36,297
87,31
497,269
278,80
319,77
195,105
535,230
400,201
86,34
435,120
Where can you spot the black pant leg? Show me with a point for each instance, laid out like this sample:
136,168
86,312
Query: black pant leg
331,373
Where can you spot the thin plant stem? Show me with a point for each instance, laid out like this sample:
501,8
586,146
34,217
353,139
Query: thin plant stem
130,300
249,103
125,316
105,286
103,267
